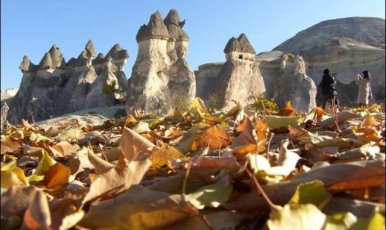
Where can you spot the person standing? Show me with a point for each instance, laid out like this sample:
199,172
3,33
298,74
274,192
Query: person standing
364,89
328,88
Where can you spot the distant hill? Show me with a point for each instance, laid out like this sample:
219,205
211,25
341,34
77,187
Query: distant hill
368,30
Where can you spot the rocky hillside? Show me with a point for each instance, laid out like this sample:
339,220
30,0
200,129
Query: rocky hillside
363,29
347,46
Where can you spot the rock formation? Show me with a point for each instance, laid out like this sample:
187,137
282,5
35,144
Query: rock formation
239,78
286,80
55,87
206,78
347,46
160,72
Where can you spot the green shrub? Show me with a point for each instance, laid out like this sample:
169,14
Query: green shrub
214,101
264,103
110,89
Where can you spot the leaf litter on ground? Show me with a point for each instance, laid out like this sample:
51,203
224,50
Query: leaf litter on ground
198,169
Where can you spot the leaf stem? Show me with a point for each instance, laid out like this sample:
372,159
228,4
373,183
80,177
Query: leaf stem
260,189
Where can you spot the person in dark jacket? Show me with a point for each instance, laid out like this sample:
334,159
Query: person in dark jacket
328,89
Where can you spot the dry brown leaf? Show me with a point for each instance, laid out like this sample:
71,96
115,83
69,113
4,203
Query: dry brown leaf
242,151
368,121
281,193
137,208
9,145
362,178
339,118
166,153
298,132
37,215
132,143
122,176
213,137
287,110
57,176
227,163
261,129
101,166
245,134
64,213
24,196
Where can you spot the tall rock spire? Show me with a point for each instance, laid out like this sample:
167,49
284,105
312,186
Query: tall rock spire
154,29
46,62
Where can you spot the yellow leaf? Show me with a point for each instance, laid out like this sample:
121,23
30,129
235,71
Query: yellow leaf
12,175
45,163
166,153
312,192
297,217
279,121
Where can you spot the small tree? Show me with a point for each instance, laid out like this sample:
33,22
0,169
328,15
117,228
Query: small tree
109,89
179,100
262,103
214,101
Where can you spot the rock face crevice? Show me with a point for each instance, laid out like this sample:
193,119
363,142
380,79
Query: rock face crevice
55,87
160,69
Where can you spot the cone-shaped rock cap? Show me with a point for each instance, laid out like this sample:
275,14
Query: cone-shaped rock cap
72,62
246,46
99,59
56,57
24,66
241,44
90,48
155,29
232,45
174,26
46,62
82,59
117,53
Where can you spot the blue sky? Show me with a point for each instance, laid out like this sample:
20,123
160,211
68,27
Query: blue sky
32,27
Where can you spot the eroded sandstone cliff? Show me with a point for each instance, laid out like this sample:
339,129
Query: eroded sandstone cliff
55,87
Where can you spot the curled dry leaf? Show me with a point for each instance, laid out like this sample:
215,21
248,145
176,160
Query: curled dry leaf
37,215
137,208
57,176
132,143
338,118
281,193
213,137
287,110
9,145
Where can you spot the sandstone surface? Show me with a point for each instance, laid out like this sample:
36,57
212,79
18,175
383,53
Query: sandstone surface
161,72
239,78
57,87
347,46
285,79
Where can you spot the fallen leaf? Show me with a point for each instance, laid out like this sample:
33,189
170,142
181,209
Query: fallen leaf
281,193
214,137
37,215
212,195
297,217
279,121
287,110
137,208
160,157
362,178
312,192
8,145
57,176
132,143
